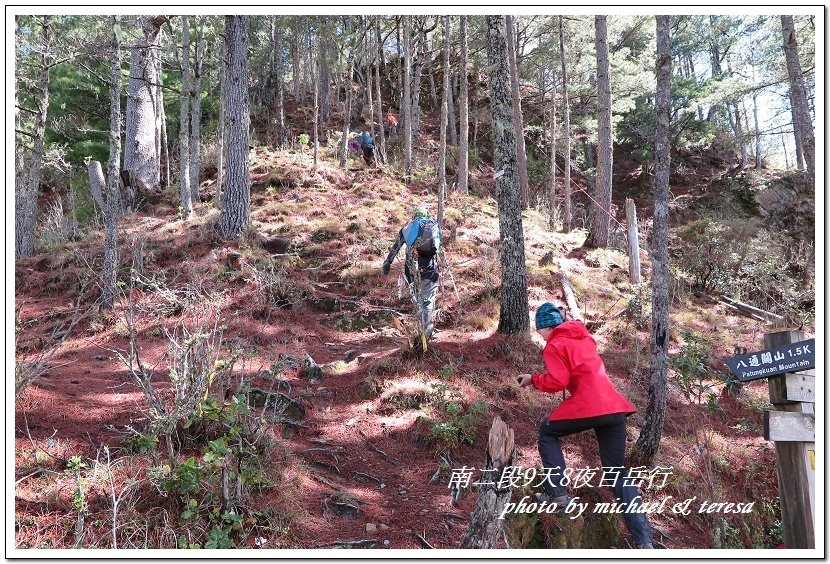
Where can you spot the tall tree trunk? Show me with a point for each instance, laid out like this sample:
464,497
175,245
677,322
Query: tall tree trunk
324,78
295,59
26,226
220,130
464,107
196,113
799,148
316,81
566,134
279,95
648,442
451,121
433,91
601,208
402,68
369,72
442,157
344,151
379,58
746,129
714,61
21,190
184,129
144,106
407,99
236,211
758,160
165,150
518,120
552,193
513,315
415,94
798,94
113,205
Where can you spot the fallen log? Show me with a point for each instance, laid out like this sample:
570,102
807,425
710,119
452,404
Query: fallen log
570,298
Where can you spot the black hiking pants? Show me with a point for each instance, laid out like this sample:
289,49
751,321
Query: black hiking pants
610,433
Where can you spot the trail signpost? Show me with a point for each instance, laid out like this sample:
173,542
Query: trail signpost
788,363
791,357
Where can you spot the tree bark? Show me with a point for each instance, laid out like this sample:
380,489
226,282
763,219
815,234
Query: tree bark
415,94
601,208
220,130
798,94
513,316
566,134
485,529
442,157
186,201
379,59
758,161
407,99
369,78
344,150
20,188
316,81
196,114
279,95
451,119
552,193
236,213
144,106
518,120
26,203
109,275
648,442
295,60
324,79
464,108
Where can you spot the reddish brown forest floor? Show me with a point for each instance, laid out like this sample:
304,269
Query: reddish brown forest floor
87,398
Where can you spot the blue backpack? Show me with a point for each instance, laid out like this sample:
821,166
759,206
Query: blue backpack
421,235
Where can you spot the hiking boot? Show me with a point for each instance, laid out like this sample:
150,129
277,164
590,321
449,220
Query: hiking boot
561,501
644,545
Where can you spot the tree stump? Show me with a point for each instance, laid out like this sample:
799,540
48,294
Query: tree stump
485,526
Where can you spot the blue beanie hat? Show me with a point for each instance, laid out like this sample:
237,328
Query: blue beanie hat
548,315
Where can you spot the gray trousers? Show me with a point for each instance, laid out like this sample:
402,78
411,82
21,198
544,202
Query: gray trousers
428,291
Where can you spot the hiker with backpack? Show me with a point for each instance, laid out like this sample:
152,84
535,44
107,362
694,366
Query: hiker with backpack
367,143
423,242
572,363
392,122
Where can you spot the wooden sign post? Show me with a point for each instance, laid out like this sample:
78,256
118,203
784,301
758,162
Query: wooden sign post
792,427
633,241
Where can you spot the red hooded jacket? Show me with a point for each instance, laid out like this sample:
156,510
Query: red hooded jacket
573,364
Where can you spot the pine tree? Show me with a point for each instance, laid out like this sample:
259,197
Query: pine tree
184,127
648,442
513,316
566,133
113,205
464,105
798,95
236,208
601,206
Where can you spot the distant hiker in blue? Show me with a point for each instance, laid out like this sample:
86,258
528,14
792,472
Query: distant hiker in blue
423,240
367,143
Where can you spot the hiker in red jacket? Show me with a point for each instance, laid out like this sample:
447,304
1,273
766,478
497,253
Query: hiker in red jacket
572,363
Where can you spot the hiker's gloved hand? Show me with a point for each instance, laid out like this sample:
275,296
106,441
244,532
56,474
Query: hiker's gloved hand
387,266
